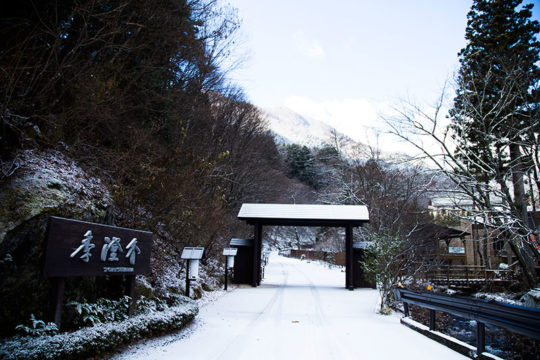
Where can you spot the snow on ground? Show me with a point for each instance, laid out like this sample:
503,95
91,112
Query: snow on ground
301,311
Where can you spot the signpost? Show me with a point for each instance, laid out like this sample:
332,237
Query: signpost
192,255
230,253
80,248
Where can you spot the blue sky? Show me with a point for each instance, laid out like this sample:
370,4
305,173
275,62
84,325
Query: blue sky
344,61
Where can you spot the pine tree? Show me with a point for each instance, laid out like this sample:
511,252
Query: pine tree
300,164
495,114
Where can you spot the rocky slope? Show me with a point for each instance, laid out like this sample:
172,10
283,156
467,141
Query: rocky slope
43,184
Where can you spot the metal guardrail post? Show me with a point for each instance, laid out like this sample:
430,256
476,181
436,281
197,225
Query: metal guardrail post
480,337
431,319
406,309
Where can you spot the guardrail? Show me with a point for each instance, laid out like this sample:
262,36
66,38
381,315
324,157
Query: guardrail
518,319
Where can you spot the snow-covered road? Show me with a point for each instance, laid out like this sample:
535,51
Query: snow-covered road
301,311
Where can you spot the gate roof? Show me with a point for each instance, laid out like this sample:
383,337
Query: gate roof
304,215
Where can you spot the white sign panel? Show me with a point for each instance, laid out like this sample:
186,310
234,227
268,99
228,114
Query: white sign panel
193,269
192,253
456,250
230,251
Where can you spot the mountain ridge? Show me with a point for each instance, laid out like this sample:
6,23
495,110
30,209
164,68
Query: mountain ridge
290,127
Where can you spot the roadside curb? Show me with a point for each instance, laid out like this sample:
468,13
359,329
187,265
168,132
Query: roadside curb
448,341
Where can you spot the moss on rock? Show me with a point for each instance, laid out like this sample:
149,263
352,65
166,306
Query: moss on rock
45,184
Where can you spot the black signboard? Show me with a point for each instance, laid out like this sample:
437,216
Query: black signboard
79,248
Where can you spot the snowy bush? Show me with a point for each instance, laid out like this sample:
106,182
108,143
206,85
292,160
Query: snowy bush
37,328
107,310
92,341
388,259
104,310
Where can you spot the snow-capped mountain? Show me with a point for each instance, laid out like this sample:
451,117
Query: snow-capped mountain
290,127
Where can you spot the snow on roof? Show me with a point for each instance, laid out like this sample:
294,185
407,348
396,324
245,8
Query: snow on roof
303,212
459,200
241,242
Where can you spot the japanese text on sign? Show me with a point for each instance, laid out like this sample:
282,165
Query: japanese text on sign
78,248
109,250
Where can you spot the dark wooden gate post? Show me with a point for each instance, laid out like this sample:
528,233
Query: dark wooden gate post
349,283
257,244
259,257
60,284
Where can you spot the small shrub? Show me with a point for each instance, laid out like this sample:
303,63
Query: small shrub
37,328
144,305
104,310
99,339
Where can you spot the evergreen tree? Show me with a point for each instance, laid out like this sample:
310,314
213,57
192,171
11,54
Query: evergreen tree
300,164
497,95
495,114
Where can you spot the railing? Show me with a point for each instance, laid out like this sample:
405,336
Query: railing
519,319
466,275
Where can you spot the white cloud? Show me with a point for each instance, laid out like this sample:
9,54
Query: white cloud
349,116
311,49
307,46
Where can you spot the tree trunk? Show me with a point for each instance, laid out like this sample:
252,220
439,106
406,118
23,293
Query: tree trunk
479,252
519,206
531,190
526,260
536,168
485,244
520,201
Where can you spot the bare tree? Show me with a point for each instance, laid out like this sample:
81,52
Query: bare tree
395,194
495,204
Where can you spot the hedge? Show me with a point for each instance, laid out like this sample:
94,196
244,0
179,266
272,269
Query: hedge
98,339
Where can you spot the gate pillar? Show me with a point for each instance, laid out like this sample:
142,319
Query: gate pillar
349,271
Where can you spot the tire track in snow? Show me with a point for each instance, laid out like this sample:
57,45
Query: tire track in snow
234,349
336,350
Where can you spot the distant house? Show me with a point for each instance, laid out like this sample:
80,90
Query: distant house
484,245
440,245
